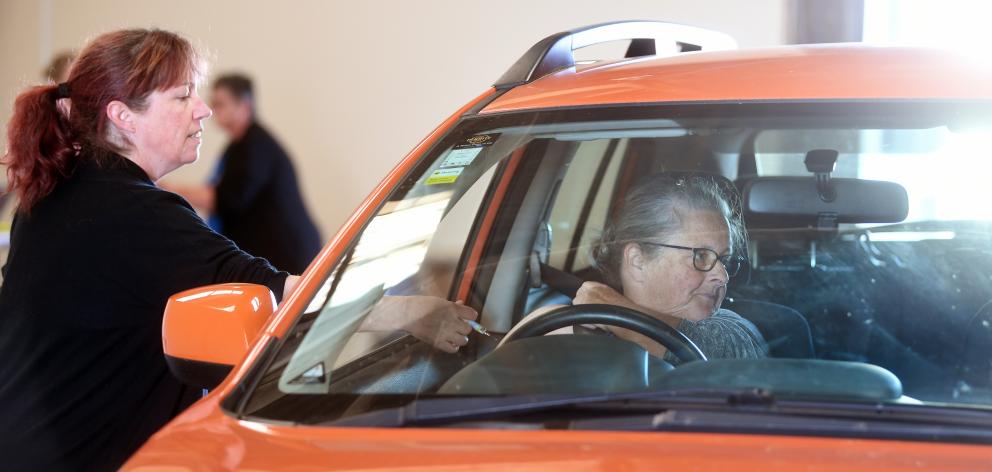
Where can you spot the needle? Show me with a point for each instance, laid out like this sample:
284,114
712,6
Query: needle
477,327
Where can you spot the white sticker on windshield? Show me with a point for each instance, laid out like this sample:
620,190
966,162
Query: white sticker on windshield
461,157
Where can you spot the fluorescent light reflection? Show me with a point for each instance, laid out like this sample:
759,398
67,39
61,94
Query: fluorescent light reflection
949,183
910,236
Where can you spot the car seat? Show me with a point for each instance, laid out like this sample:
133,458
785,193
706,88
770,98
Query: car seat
785,330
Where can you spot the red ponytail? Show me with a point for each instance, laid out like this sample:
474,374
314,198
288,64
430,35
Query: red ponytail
40,150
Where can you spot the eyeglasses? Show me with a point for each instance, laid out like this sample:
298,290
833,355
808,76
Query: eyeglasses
704,259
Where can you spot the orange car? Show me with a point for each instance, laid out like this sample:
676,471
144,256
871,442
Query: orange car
864,278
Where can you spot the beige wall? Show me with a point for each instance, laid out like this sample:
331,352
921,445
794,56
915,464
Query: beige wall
20,63
350,87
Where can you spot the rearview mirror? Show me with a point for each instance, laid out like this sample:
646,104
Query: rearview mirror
208,330
780,202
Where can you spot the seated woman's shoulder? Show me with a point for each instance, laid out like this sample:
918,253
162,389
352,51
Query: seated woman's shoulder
726,331
726,316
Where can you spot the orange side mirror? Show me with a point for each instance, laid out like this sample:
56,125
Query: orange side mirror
208,330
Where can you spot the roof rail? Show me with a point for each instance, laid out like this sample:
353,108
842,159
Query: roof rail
555,52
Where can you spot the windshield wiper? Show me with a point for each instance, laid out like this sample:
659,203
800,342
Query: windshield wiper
736,411
447,409
946,423
938,427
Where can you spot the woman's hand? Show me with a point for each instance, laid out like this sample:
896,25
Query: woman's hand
289,285
434,320
595,292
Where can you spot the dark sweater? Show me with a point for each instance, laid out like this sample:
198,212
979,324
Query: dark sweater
83,381
725,335
259,206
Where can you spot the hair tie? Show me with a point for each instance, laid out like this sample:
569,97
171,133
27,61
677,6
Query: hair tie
62,91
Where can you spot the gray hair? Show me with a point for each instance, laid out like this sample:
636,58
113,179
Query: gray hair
651,209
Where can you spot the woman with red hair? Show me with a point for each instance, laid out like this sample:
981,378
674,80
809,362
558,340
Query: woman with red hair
97,248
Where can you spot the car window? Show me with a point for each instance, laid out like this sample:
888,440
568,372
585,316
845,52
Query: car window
883,307
582,202
411,247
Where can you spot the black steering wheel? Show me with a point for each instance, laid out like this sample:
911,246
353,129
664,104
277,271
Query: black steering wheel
621,317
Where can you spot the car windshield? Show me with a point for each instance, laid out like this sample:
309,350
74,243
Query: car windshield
882,298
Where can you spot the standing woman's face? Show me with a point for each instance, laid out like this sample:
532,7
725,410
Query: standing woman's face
168,133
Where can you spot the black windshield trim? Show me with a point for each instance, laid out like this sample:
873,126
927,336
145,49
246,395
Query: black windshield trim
703,411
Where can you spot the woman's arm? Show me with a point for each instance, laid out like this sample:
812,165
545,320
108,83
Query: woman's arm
434,320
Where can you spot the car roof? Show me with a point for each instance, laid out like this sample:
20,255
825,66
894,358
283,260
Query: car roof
806,72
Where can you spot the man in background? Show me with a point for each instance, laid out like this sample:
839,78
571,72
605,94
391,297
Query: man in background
253,198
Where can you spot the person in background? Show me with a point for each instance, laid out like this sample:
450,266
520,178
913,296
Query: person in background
97,249
254,198
57,70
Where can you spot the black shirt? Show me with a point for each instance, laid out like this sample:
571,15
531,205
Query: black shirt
259,206
83,380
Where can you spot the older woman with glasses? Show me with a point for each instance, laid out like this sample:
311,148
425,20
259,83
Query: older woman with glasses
669,252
